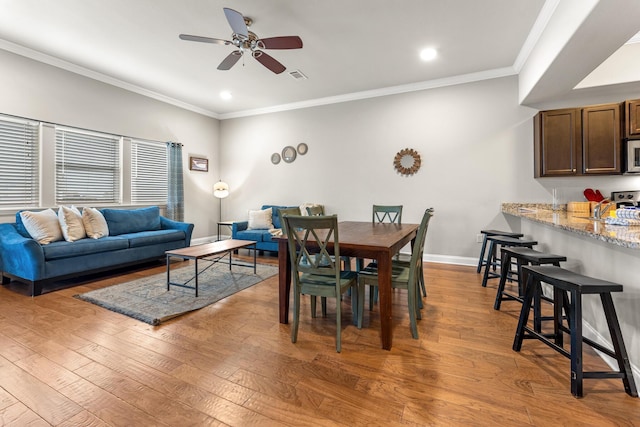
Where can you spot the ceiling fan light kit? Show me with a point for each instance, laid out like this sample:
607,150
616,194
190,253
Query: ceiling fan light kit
248,42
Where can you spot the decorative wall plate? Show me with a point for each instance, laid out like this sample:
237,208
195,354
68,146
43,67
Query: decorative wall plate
407,162
275,158
302,148
288,154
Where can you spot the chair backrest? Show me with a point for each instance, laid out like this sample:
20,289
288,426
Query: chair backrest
391,214
418,245
287,211
315,210
311,243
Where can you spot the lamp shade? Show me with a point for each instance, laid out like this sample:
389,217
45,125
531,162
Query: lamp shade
220,189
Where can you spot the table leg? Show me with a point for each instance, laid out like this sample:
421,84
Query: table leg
385,296
254,258
284,279
196,267
168,277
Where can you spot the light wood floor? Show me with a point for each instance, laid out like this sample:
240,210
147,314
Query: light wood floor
67,362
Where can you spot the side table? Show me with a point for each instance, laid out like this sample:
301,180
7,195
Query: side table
225,224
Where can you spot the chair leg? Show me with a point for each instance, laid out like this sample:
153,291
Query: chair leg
373,296
413,309
338,322
313,306
360,304
296,314
323,302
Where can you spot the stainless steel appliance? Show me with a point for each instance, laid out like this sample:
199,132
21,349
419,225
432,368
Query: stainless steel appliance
633,156
626,198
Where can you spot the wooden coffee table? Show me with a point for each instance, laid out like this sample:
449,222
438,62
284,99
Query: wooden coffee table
212,252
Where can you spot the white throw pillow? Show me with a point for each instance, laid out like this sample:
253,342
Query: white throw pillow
260,220
42,226
71,224
94,223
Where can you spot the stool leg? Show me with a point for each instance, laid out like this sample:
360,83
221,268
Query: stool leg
492,249
530,287
576,344
537,310
618,344
481,260
506,260
560,301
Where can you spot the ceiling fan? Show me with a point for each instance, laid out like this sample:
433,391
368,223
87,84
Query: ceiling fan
248,42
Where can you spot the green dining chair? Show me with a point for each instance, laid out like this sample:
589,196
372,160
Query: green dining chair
315,210
402,277
314,271
391,214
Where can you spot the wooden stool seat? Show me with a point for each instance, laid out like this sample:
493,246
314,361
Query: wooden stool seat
524,256
503,241
568,290
481,260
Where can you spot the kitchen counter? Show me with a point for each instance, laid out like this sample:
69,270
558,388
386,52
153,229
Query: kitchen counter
625,236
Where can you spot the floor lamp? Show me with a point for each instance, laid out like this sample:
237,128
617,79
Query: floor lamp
220,190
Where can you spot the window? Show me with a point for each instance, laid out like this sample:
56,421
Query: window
148,172
19,159
87,167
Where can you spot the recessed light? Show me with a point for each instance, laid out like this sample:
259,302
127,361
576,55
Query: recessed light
226,95
428,54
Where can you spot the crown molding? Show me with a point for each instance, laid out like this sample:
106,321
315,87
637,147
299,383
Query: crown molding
68,66
392,90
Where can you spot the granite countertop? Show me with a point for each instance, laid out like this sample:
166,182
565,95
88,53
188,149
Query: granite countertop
625,236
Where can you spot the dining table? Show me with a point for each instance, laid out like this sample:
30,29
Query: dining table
359,239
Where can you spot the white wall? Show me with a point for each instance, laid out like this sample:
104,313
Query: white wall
38,91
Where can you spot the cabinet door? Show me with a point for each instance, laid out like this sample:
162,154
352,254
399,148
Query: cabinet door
557,143
601,146
632,118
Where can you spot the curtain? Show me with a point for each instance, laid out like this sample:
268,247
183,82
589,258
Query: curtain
175,190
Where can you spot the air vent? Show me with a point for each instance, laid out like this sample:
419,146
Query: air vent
297,74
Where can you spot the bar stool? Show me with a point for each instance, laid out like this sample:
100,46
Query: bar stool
491,257
570,286
524,256
504,242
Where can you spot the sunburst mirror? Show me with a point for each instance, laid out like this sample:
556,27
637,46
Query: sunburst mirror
407,162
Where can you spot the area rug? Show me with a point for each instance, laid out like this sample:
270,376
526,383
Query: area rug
148,300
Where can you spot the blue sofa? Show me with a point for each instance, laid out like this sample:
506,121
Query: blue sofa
135,236
263,237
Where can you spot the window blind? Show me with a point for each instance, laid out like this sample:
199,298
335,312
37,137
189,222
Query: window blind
19,159
148,172
87,167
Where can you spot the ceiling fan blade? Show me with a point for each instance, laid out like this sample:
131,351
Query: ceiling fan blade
285,42
268,61
230,60
201,39
236,21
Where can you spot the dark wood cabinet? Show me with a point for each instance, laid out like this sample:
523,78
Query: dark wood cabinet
632,119
601,139
578,141
557,141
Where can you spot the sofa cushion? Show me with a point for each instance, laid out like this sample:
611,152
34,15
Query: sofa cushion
261,219
71,224
64,249
42,226
94,223
277,222
255,235
122,221
146,238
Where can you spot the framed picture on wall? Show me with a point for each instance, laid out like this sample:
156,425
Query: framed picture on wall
199,164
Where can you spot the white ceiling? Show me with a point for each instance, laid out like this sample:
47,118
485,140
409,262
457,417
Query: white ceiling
352,48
